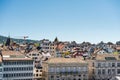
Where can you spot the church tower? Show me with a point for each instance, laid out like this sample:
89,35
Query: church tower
8,41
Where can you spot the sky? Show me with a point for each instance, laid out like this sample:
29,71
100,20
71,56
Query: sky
69,20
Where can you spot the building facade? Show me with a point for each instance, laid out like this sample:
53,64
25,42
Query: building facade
106,67
1,68
16,66
36,56
65,69
48,46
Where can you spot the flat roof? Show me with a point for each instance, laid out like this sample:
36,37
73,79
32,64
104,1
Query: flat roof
66,60
108,57
14,55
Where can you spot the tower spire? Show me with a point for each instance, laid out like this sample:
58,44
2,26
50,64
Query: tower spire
56,40
8,41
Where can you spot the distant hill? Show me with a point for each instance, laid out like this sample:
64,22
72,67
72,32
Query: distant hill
3,39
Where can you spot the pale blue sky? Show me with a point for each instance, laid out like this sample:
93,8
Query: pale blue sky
79,20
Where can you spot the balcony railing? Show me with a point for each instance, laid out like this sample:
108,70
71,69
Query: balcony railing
65,73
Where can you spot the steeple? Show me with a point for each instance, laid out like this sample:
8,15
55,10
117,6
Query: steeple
56,40
8,41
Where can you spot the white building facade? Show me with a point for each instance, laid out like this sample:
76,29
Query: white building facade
1,70
16,66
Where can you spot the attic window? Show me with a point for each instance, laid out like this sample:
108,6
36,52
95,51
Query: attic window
110,58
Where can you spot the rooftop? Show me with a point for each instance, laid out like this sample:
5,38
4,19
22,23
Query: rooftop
118,48
66,60
108,57
14,55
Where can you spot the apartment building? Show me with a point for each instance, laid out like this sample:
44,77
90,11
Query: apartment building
48,46
106,66
15,66
38,73
65,69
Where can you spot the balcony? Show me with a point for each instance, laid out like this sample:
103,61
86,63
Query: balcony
70,73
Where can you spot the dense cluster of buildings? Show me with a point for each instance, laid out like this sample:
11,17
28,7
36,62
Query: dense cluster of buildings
56,60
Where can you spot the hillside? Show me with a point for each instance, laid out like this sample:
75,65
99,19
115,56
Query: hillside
3,39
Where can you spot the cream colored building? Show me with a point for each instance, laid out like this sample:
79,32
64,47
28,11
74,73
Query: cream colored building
65,69
37,73
106,66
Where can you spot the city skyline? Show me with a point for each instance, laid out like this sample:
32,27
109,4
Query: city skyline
89,20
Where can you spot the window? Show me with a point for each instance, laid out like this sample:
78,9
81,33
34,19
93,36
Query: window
113,71
37,54
103,65
40,70
36,74
57,69
83,75
113,64
36,70
74,69
118,64
57,76
35,58
99,71
109,71
29,54
33,54
109,64
84,69
93,64
118,71
63,69
68,69
99,64
51,69
79,75
79,69
52,76
103,71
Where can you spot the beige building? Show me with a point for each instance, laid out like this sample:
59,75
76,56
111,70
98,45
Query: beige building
65,69
37,73
106,66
